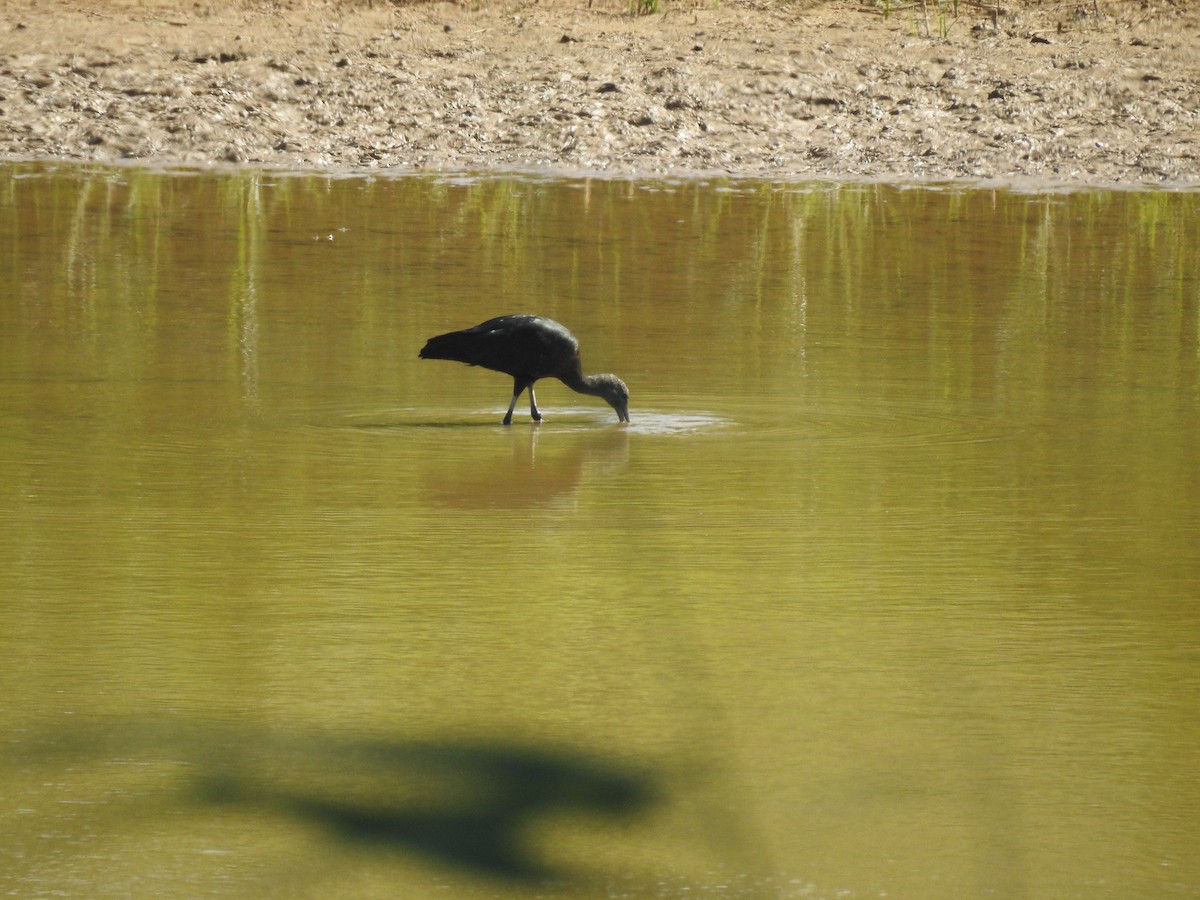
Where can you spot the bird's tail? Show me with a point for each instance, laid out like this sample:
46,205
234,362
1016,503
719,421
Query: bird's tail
457,345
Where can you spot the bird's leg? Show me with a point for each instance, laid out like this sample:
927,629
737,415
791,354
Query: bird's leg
517,388
533,410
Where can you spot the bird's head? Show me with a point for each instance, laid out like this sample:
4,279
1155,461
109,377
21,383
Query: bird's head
614,391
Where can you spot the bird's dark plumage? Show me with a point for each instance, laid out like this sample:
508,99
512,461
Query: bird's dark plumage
528,348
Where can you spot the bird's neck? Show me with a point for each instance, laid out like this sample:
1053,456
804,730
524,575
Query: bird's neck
580,383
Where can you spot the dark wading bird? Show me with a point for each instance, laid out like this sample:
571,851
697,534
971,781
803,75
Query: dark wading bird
528,348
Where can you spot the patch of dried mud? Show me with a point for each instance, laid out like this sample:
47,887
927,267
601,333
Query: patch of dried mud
1046,92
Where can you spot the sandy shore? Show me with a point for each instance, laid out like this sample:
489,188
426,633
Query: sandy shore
1047,92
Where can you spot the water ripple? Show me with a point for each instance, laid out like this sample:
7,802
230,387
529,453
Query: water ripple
569,419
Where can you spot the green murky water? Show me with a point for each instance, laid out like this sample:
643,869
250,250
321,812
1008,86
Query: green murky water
891,587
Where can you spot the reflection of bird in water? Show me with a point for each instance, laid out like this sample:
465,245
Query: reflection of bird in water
528,348
540,471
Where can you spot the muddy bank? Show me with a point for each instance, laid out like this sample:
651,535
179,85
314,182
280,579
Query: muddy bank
1048,92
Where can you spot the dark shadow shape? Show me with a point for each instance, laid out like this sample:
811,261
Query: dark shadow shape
477,808
494,795
487,843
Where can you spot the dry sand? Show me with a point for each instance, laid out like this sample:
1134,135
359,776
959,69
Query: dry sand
1047,92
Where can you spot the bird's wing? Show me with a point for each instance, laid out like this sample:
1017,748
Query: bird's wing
524,346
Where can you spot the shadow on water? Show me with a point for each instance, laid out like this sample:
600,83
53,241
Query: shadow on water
488,797
468,806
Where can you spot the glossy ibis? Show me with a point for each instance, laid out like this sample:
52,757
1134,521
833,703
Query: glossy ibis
528,348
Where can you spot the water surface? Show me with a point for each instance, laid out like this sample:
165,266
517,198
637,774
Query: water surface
889,588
